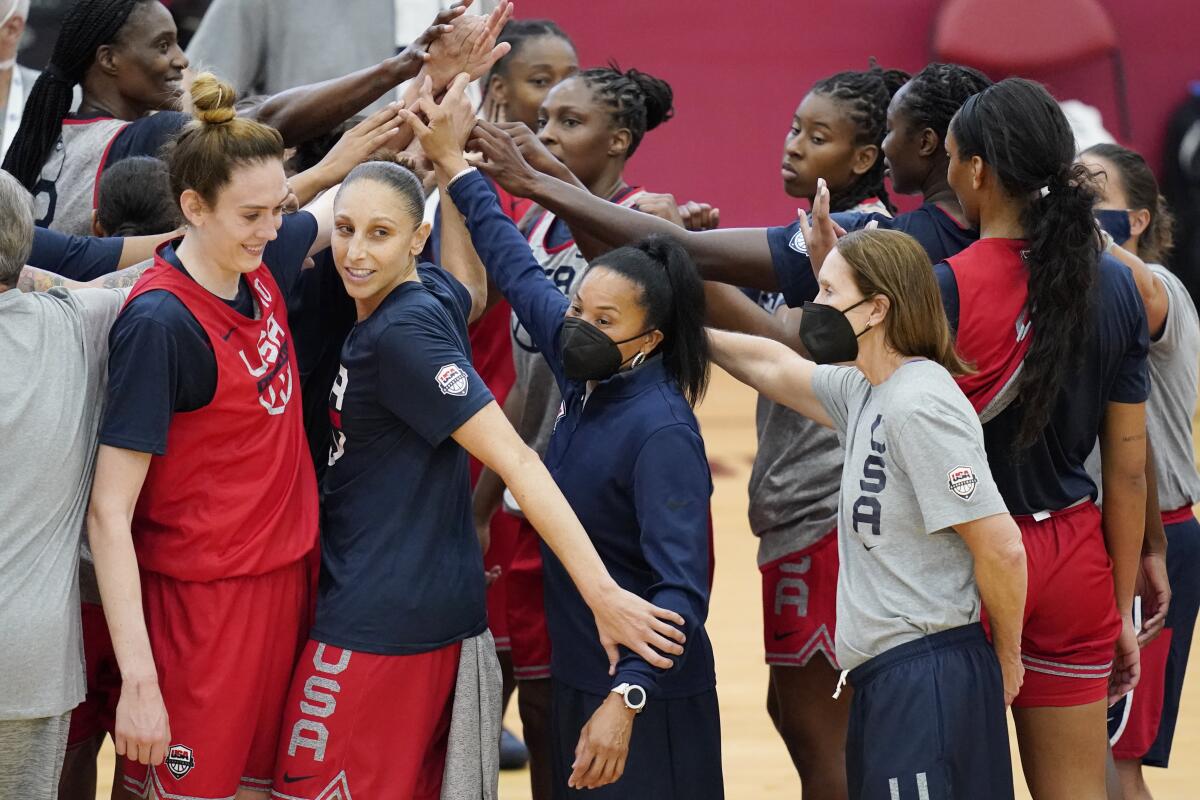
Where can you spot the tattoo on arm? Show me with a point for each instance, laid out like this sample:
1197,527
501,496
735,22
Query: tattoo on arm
39,280
122,279
33,279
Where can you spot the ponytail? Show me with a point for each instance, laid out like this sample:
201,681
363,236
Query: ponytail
673,297
1020,132
87,26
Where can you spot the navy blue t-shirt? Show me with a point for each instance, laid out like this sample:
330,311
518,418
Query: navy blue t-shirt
401,569
146,136
1050,475
76,258
934,230
160,360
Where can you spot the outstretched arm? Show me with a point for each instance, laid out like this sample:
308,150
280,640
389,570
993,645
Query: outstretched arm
774,369
739,256
39,280
621,617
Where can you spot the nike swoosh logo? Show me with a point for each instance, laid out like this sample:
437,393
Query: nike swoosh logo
228,333
869,547
292,779
781,636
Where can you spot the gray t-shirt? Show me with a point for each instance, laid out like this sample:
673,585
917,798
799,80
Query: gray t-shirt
54,348
915,467
794,482
1174,374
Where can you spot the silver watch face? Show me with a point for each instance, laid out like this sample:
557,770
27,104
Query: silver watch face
635,696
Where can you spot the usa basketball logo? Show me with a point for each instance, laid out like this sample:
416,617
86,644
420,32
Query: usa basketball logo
962,482
180,760
798,244
452,380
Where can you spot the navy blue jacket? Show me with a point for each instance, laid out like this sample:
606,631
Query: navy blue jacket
630,460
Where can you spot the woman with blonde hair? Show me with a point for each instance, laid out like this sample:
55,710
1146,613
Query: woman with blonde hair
924,538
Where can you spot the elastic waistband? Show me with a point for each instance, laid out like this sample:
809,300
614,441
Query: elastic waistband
1082,504
1178,515
963,636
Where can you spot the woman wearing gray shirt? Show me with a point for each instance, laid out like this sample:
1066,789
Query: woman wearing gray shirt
924,537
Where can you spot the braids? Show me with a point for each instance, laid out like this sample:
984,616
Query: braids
88,25
865,96
637,101
936,93
517,32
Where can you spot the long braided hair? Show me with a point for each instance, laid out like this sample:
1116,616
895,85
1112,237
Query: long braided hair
88,25
865,97
636,100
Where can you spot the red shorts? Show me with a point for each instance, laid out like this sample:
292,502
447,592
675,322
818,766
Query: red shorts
527,630
96,714
366,725
1071,619
1142,708
504,529
800,604
225,652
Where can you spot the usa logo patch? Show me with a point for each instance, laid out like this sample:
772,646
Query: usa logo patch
180,760
962,482
452,380
798,244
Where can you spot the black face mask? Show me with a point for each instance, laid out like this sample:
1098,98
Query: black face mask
1116,223
588,353
828,335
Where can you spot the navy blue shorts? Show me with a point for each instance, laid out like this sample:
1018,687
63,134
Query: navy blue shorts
1143,726
927,722
674,751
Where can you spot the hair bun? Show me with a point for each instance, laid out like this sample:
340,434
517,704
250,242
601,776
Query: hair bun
213,99
657,97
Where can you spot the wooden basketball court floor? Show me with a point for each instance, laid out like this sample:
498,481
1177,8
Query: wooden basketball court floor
756,764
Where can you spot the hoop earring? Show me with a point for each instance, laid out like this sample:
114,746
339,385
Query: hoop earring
638,360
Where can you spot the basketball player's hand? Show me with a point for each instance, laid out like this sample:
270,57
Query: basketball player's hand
821,235
658,205
411,59
1126,663
446,125
1154,587
470,47
623,618
699,216
534,152
603,745
359,143
142,732
1013,673
505,164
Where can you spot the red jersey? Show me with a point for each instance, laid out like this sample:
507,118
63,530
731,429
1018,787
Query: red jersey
993,322
235,493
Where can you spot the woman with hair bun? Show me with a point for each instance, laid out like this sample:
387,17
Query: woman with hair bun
203,517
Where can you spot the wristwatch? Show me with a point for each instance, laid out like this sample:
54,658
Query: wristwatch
633,695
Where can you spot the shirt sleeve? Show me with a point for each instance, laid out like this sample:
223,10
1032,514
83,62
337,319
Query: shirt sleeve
793,270
538,304
77,258
948,286
284,255
156,366
1132,382
426,380
453,287
98,310
836,387
940,449
671,491
146,136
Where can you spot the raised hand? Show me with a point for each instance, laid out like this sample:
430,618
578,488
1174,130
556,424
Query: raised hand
447,124
662,206
699,216
417,53
359,143
534,151
821,235
504,163
470,47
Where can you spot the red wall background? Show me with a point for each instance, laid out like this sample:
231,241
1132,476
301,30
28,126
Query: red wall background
740,69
